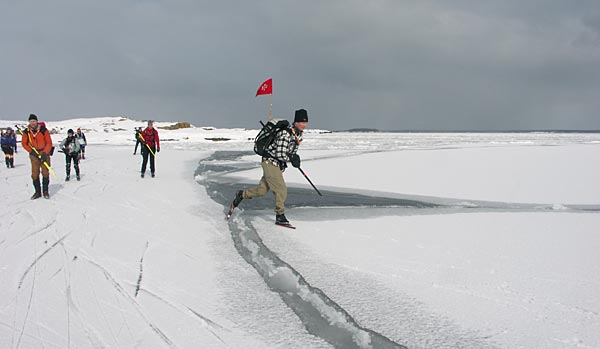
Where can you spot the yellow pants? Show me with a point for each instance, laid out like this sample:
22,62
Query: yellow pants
272,179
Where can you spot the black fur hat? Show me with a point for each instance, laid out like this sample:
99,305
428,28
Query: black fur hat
32,117
301,116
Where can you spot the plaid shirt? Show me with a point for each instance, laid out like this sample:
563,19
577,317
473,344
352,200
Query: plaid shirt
285,145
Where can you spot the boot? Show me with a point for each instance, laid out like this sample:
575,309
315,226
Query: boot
77,174
67,178
142,175
7,162
45,184
152,174
239,196
12,162
280,219
38,189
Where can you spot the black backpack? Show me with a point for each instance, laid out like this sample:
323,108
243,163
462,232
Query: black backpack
267,134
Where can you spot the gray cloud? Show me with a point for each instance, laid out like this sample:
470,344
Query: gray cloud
388,64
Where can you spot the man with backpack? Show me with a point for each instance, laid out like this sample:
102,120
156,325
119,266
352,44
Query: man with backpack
138,140
80,136
280,150
37,142
70,146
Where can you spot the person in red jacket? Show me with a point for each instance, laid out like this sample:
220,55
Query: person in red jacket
150,146
37,142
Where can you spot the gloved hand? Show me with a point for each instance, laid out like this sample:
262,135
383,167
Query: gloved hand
33,153
295,160
158,150
44,157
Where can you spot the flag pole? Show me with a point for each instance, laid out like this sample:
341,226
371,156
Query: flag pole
271,106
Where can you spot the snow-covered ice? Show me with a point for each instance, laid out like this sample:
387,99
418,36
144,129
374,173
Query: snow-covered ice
420,240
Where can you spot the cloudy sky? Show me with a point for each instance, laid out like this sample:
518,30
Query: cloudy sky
386,64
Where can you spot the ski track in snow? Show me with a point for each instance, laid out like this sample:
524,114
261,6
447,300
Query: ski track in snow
38,230
92,334
210,325
139,280
67,279
42,341
132,302
205,321
40,257
100,308
34,265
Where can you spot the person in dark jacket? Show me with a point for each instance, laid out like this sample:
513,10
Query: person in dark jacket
14,137
280,152
150,146
82,142
70,146
9,144
138,140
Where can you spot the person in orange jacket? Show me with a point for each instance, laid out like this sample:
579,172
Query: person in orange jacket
37,137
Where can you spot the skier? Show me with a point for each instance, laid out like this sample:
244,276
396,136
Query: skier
8,143
70,146
138,140
82,141
150,146
282,150
37,142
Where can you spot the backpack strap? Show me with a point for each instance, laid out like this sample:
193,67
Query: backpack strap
292,131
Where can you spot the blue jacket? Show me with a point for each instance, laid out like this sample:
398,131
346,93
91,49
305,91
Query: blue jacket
8,141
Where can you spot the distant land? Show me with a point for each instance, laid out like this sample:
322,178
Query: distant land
374,130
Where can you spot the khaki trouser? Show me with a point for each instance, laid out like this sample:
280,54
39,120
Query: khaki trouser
36,165
272,179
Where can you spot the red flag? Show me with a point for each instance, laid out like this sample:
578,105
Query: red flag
266,88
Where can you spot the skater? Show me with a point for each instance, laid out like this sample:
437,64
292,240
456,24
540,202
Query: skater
70,146
150,146
13,135
282,150
138,140
82,142
37,142
9,144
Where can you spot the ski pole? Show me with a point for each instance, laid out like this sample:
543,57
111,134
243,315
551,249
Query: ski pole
37,152
309,181
147,146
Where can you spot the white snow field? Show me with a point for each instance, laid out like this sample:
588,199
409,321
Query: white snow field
420,240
